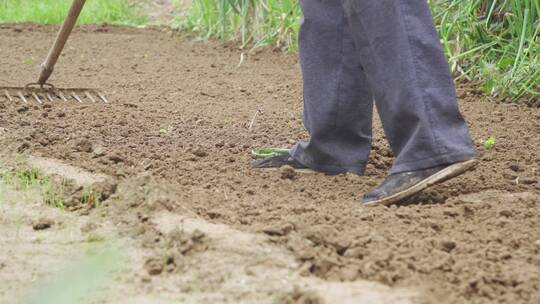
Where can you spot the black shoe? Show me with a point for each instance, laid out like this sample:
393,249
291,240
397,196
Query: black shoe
275,162
397,187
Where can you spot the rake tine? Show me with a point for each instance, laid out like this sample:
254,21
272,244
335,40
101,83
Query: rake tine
50,97
76,97
36,98
21,96
102,97
62,96
8,96
89,96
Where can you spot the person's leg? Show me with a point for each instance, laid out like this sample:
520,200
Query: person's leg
410,78
338,104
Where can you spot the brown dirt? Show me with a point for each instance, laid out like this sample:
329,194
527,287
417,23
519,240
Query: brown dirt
181,113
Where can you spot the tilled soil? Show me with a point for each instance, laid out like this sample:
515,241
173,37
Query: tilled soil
188,114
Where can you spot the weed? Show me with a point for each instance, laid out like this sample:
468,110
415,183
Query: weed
167,130
90,198
25,179
268,22
490,143
496,42
54,197
28,61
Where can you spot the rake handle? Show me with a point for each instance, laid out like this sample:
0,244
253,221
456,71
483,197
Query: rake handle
48,66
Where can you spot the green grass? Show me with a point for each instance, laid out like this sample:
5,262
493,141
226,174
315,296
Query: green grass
251,22
494,42
489,143
27,179
54,11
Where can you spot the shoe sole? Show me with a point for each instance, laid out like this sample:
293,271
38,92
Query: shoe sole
302,171
439,177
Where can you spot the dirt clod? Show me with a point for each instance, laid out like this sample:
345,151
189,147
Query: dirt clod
83,145
528,180
185,243
448,246
104,189
279,230
22,109
506,213
116,158
200,152
154,266
288,172
99,151
23,147
43,224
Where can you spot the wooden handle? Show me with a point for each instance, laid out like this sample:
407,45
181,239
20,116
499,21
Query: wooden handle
48,66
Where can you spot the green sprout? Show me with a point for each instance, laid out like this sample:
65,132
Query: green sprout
28,61
166,130
489,143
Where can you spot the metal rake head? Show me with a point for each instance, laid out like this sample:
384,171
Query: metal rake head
48,92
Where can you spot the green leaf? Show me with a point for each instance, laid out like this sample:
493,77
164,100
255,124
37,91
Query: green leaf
490,143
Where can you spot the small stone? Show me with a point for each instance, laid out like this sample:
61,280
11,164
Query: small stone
537,244
515,167
99,151
116,158
509,175
200,152
43,224
22,109
506,213
83,145
44,141
349,274
279,229
448,246
23,147
61,114
288,172
528,180
435,226
154,266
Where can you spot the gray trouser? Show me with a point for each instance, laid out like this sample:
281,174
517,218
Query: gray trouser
356,51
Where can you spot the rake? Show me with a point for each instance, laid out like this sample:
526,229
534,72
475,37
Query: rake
41,91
